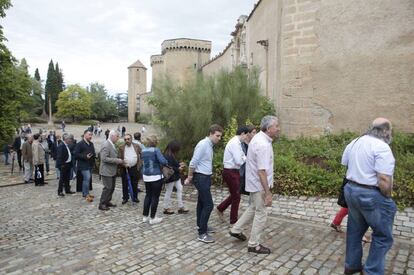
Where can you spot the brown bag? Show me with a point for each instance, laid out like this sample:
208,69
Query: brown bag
167,172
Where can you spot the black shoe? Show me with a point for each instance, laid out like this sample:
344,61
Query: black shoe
103,207
70,192
31,180
239,236
26,182
352,271
109,204
136,201
260,249
61,194
124,201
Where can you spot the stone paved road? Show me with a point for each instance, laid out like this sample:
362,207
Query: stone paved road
43,234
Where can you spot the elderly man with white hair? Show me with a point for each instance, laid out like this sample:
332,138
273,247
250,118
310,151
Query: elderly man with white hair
108,168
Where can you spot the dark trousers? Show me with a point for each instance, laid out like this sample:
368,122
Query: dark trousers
39,175
108,190
19,158
133,175
232,178
64,178
152,197
205,201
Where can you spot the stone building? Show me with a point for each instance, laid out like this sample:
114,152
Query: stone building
137,88
327,65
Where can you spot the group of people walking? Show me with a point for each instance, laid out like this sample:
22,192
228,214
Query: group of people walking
248,169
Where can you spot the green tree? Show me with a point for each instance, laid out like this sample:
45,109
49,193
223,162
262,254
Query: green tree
186,112
37,75
14,85
122,104
75,102
59,75
51,88
103,107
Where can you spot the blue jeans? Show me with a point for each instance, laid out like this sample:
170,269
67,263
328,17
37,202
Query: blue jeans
368,208
47,162
86,175
204,202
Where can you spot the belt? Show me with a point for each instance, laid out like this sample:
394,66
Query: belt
363,185
201,174
232,169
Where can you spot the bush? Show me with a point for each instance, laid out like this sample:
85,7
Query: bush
144,119
34,120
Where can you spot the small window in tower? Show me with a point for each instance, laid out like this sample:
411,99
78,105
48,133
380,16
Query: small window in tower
137,70
251,59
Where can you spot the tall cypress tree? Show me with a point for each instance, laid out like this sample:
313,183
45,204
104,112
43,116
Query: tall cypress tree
51,87
37,75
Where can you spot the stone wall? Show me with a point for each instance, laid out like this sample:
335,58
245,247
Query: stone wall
223,61
345,63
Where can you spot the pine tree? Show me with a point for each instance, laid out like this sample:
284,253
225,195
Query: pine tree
37,75
59,75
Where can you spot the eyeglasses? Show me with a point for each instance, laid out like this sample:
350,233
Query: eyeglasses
127,139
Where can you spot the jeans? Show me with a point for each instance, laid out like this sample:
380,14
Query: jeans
368,208
133,177
205,201
47,162
86,175
168,191
232,178
152,197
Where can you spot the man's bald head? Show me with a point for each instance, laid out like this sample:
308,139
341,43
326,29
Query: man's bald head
381,128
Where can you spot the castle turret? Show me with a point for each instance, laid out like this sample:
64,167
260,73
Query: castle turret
137,85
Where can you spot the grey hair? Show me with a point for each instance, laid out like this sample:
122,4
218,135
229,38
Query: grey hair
67,136
381,131
113,133
266,122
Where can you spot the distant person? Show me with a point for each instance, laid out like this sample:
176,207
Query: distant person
52,140
171,154
45,144
6,153
137,140
27,157
63,126
107,134
38,153
143,130
17,147
200,172
123,131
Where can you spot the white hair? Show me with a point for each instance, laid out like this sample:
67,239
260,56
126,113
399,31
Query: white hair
113,133
267,122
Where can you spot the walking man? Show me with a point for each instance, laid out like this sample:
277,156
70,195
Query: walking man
259,181
17,147
131,154
368,196
64,164
45,145
38,153
199,172
108,167
233,159
85,155
27,157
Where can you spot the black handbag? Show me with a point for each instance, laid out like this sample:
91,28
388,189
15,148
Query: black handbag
341,198
243,186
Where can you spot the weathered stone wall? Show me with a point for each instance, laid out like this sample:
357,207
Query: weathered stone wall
223,61
345,63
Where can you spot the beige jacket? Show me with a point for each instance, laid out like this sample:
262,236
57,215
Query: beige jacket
38,153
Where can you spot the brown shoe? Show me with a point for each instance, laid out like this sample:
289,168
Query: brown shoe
168,211
337,228
89,199
92,196
260,249
182,211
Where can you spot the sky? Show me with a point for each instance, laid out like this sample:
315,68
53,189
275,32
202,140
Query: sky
96,40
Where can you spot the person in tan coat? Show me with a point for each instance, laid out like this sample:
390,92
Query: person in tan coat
38,156
27,157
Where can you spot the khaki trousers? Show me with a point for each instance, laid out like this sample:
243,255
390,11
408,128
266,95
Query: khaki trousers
28,170
257,212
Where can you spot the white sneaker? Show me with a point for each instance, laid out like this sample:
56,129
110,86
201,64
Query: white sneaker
155,220
145,219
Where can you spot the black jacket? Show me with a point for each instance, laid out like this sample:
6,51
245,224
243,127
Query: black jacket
62,156
17,144
173,163
82,149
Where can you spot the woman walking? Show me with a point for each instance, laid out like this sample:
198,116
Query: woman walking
170,154
153,178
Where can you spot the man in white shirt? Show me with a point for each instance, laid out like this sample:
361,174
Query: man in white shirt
368,195
259,181
233,159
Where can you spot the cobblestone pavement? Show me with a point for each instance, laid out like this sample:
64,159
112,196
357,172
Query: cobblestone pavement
43,234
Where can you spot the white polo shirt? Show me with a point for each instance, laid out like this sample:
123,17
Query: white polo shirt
368,156
259,157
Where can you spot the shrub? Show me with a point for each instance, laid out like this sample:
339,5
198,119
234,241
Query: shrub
144,118
34,120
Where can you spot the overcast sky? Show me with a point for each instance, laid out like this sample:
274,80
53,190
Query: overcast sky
97,40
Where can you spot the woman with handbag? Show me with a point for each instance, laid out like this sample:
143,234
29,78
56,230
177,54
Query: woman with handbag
170,154
153,178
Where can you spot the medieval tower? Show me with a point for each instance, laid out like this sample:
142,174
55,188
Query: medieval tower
137,85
